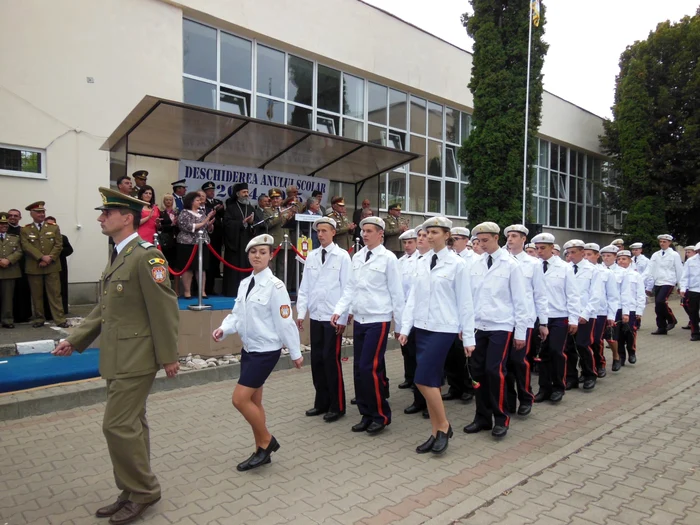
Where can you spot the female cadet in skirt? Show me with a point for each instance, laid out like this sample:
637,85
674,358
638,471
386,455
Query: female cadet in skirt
262,317
439,308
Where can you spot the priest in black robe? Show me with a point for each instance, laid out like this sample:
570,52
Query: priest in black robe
239,220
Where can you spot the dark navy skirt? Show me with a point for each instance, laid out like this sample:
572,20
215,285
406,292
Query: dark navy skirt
256,367
431,353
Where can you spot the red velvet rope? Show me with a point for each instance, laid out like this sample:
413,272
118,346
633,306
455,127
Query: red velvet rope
212,250
187,266
352,249
297,251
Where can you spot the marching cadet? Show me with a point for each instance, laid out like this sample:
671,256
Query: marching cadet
140,179
10,271
564,310
633,301
557,250
609,305
262,317
439,308
665,269
531,250
42,244
640,261
619,244
344,228
179,192
394,228
501,319
689,252
580,347
326,273
690,291
275,218
137,321
407,264
519,363
374,295
609,255
460,234
476,246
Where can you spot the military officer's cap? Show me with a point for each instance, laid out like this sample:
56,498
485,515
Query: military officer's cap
609,249
516,228
338,200
208,186
36,206
460,230
408,234
556,247
261,240
486,227
243,186
274,192
691,247
438,222
665,237
395,206
115,200
543,238
618,241
376,221
636,245
624,253
140,174
574,243
182,183
592,246
3,218
324,220
530,245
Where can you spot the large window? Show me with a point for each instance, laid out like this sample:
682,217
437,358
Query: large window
22,162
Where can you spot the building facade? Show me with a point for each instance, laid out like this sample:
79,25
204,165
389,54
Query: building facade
338,66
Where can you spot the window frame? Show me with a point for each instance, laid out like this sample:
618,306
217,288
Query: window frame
42,175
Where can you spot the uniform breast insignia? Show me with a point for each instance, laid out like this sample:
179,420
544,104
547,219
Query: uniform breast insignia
156,260
120,288
159,273
129,250
285,311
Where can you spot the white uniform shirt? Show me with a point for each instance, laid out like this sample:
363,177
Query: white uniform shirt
469,256
633,297
440,299
374,292
500,296
641,261
665,268
690,279
323,284
535,288
407,266
590,287
562,290
611,303
264,320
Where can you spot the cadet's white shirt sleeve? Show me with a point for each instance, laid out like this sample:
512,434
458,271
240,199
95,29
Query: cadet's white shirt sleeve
519,298
407,317
539,294
395,285
286,328
627,299
303,297
641,297
678,266
342,307
466,306
612,295
345,274
595,298
229,324
573,297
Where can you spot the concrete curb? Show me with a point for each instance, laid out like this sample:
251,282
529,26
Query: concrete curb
40,401
31,347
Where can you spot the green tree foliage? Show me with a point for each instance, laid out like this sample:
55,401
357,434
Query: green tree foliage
654,139
492,156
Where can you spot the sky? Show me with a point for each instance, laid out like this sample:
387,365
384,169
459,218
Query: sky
585,38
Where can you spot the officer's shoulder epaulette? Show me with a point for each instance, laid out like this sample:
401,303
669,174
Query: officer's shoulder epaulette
146,245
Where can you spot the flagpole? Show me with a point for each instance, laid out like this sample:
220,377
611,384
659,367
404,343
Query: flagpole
527,106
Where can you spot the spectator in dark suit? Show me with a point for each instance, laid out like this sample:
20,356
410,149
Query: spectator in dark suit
357,215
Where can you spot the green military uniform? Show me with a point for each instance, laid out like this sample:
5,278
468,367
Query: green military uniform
392,231
10,252
274,221
141,175
137,319
343,232
36,243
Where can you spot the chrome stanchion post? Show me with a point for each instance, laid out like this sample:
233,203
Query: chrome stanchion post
357,244
286,248
200,273
156,240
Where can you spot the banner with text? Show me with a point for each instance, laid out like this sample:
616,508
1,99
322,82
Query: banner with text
259,180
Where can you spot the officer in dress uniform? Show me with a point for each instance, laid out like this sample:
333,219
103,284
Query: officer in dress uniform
10,271
179,191
216,236
690,290
137,320
326,272
42,244
665,269
374,295
275,218
564,312
345,228
633,303
407,264
140,180
394,228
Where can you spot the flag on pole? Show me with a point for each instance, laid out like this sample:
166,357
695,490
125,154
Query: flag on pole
536,12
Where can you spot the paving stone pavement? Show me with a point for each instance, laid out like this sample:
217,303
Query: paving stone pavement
623,453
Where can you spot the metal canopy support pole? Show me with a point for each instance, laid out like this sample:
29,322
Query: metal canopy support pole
286,248
200,273
527,107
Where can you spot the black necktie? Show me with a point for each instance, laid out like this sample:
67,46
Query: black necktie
433,261
545,264
114,255
39,227
323,256
663,253
369,254
575,269
635,259
250,287
489,262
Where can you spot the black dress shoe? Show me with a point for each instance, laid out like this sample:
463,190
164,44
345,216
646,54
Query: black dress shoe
695,337
112,509
633,359
659,332
466,397
556,396
670,326
427,446
616,365
499,431
542,395
353,401
450,395
589,384
8,325
686,327
524,410
362,425
570,385
333,416
315,412
601,372
262,455
413,409
405,385
375,428
426,414
475,426
442,439
38,324
243,465
64,324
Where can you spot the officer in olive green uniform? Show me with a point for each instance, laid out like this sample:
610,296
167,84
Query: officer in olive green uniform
137,320
140,179
345,228
394,228
274,220
10,256
42,244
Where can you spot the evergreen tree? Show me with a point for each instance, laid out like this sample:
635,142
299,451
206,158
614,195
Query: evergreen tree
492,155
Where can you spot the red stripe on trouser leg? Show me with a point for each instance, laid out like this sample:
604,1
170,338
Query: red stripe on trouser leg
590,347
338,340
563,351
502,378
527,361
375,374
668,308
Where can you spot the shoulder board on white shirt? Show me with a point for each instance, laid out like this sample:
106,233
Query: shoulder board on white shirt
279,284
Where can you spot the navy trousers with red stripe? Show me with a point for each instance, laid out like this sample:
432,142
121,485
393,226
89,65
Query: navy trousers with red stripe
579,348
553,359
369,346
326,369
664,314
628,338
519,372
693,299
598,341
488,363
